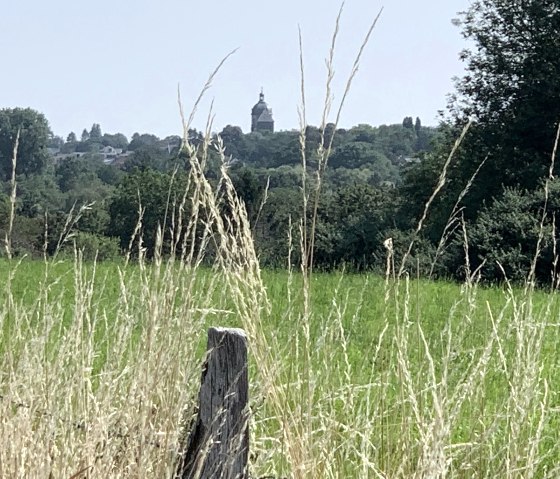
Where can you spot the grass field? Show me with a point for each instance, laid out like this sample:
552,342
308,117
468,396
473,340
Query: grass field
369,378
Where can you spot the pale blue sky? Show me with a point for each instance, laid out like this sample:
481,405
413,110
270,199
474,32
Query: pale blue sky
118,62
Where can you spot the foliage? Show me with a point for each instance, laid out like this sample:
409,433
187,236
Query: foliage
26,235
118,140
353,213
147,199
145,139
146,157
279,220
408,122
38,194
352,225
504,239
249,189
95,133
236,142
512,92
505,236
93,247
34,136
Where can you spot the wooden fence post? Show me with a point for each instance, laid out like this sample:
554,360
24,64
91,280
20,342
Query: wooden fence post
218,444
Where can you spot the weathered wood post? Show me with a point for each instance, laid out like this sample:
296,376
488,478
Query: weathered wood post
218,444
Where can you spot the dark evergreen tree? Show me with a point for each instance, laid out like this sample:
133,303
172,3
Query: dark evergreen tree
95,133
408,123
417,125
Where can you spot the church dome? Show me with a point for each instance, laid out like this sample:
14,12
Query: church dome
261,116
260,106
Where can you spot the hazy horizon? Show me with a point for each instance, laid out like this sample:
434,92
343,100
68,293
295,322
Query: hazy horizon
119,65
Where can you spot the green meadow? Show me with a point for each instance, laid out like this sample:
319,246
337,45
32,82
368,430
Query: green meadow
351,375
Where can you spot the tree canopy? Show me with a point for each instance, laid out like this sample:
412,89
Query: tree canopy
511,89
34,134
511,92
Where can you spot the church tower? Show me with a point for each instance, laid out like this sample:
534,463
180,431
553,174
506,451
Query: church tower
261,116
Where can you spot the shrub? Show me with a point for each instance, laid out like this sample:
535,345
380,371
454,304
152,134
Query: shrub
95,246
505,237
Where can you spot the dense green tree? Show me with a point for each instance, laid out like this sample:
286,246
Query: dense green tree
172,145
194,137
417,125
55,142
511,90
408,122
352,226
249,189
109,174
83,182
272,232
330,132
95,133
74,171
423,136
94,246
85,135
144,139
340,177
363,133
70,145
281,148
285,176
363,155
32,154
418,183
118,140
396,142
38,194
234,142
26,234
149,190
504,238
146,157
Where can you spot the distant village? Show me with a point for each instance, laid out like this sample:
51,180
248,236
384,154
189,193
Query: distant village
109,155
261,121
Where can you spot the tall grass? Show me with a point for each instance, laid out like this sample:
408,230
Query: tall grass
351,376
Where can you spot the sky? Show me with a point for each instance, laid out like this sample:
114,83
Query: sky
120,63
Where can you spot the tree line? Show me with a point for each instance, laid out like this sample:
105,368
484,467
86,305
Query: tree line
496,202
55,176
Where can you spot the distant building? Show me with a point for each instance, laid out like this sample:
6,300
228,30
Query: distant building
110,153
261,116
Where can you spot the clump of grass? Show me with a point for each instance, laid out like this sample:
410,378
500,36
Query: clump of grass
97,389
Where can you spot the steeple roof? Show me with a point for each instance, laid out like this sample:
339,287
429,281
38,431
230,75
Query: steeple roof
261,116
260,106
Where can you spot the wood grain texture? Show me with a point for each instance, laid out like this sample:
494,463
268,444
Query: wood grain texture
218,444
